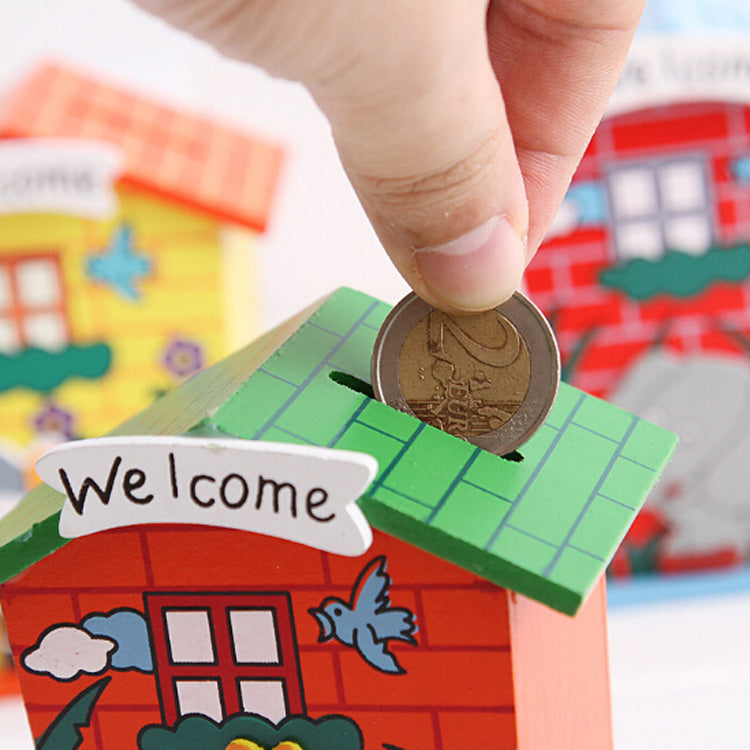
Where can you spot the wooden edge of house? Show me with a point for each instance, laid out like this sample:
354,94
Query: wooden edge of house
29,531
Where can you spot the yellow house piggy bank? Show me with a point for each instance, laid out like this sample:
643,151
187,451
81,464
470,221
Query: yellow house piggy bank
127,240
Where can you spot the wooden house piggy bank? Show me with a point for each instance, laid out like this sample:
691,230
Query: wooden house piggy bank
269,558
647,276
127,241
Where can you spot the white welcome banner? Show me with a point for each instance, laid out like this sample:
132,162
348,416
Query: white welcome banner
69,176
303,494
680,68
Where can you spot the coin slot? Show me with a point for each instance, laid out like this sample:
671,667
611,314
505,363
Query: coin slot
352,382
360,386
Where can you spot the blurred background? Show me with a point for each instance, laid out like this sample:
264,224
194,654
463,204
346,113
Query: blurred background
680,660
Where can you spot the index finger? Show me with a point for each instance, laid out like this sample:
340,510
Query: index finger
557,62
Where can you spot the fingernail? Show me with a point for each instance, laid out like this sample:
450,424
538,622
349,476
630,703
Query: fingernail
478,270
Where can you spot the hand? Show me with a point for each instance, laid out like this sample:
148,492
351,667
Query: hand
459,122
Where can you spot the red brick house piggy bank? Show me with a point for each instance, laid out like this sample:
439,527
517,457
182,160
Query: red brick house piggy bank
647,279
176,621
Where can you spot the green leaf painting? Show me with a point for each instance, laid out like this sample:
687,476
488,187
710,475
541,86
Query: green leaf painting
678,274
200,733
43,371
64,732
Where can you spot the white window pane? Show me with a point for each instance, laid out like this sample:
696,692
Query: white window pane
189,637
4,289
633,193
254,636
264,697
45,330
689,234
38,284
639,239
199,697
682,186
8,336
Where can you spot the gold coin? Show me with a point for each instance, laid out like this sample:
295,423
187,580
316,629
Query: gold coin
488,378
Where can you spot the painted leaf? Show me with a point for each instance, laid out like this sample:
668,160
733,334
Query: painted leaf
42,371
678,274
64,732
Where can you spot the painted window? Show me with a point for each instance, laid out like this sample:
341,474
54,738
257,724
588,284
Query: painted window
659,206
32,303
222,654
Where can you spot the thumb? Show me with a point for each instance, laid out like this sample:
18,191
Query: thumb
418,119
424,139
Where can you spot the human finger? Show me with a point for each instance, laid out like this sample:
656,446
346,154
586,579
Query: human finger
418,119
557,62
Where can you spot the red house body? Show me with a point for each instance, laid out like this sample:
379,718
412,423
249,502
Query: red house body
259,649
656,189
158,635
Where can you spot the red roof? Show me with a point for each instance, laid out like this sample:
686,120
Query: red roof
187,158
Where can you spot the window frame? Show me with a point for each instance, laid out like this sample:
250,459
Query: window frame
658,214
225,668
17,312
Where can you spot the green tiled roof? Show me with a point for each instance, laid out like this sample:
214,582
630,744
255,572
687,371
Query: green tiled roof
546,526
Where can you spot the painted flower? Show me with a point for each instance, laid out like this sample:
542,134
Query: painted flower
53,420
183,357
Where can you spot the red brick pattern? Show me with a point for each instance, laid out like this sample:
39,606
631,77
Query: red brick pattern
91,564
464,730
117,729
563,277
457,689
665,127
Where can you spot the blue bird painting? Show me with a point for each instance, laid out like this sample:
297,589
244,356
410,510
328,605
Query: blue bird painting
368,622
120,266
